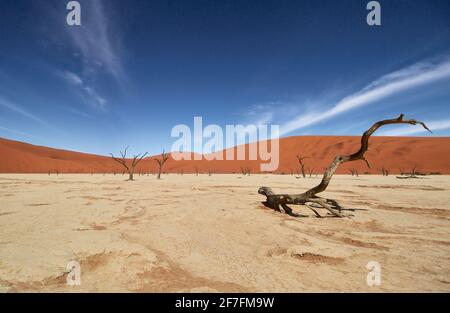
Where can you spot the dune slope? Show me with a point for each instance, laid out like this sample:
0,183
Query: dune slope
393,153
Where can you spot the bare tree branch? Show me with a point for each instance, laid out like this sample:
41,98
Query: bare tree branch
302,164
279,201
161,160
123,161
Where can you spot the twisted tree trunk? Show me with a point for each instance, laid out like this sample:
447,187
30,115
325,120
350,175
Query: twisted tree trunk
279,202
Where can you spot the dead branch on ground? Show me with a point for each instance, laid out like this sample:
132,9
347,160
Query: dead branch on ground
280,202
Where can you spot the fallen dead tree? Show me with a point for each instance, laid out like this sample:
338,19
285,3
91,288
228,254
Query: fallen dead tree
280,202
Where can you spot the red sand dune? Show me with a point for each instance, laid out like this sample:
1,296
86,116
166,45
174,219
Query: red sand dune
428,154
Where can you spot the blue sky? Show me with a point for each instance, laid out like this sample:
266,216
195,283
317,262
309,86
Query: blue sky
137,68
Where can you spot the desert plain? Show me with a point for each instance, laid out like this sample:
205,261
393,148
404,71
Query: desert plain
188,233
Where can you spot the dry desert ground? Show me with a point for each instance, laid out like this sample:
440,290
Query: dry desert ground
212,234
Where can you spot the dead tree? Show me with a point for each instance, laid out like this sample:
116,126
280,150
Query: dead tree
196,171
245,171
310,172
280,202
354,172
414,170
384,171
134,162
413,174
162,159
302,164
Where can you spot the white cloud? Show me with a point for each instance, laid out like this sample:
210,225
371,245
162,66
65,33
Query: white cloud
263,119
95,43
72,78
87,93
100,101
260,114
413,76
17,109
432,125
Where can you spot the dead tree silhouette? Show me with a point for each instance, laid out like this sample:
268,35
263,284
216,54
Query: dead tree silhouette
354,172
245,171
302,164
413,174
279,202
211,171
414,170
134,162
162,159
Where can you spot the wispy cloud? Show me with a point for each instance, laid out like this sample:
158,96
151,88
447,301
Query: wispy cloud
433,125
16,132
260,114
86,92
97,45
76,112
19,110
413,76
94,42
